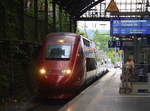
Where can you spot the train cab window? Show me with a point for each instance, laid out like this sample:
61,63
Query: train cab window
57,51
86,42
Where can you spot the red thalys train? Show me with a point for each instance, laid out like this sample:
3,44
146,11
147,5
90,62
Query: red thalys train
67,61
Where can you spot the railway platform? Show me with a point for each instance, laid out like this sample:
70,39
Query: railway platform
104,95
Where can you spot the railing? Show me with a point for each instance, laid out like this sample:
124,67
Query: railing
145,68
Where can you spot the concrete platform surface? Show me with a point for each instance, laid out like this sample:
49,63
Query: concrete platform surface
104,95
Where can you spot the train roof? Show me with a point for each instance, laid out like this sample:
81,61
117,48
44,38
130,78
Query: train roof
62,34
67,34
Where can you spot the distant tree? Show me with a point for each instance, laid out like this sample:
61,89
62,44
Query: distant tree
82,33
101,41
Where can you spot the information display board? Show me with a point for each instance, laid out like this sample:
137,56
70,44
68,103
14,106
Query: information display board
127,26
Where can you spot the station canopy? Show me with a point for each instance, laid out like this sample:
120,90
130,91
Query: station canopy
77,7
105,9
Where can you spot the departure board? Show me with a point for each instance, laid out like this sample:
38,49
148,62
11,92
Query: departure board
130,26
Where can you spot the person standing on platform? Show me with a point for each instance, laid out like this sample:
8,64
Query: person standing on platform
129,65
129,70
127,76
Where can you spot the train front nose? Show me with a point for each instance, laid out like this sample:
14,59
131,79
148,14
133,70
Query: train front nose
55,78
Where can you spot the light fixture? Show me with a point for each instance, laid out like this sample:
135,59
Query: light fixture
42,71
61,41
66,71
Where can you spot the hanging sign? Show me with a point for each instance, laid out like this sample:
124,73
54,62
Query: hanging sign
112,7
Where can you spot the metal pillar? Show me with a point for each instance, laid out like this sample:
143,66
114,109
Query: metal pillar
66,21
75,25
46,17
54,15
36,19
3,15
147,5
4,22
12,88
21,18
136,50
60,18
70,24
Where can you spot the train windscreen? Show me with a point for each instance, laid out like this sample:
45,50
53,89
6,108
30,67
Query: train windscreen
58,51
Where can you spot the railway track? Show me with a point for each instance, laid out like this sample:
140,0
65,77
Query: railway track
46,105
40,104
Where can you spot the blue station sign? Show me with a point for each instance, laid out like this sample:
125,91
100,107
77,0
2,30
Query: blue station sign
115,44
130,26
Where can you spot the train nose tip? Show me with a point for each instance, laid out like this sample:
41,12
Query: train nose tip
59,79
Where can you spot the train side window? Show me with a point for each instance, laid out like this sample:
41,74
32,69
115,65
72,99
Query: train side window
91,64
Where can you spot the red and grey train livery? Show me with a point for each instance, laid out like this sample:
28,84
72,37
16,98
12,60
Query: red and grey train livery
67,62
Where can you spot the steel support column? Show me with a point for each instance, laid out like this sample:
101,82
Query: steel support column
66,21
4,23
70,24
75,25
21,18
36,19
136,50
46,17
3,27
60,18
54,15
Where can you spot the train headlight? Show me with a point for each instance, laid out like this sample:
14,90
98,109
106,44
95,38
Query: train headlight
61,41
66,71
42,71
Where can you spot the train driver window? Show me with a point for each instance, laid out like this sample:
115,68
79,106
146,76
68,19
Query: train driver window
57,51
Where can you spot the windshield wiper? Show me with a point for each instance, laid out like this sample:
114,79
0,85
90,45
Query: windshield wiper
57,58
